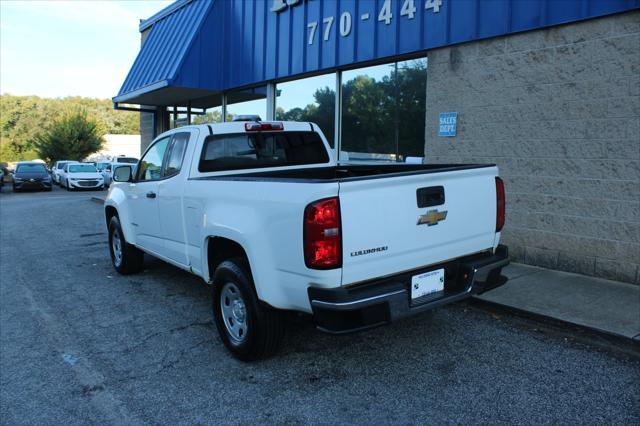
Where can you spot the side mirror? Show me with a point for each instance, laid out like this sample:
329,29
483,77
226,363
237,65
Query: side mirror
122,174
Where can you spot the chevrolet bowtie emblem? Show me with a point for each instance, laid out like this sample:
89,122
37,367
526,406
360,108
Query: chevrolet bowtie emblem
432,217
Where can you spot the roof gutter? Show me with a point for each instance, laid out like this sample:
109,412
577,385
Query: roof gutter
143,90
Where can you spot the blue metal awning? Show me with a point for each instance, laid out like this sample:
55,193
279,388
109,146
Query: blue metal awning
196,49
152,77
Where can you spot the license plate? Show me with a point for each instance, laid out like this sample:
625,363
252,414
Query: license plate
427,283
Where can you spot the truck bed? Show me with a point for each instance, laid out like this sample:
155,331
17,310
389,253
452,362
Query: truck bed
342,173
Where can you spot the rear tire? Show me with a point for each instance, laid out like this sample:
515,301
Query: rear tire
248,329
126,258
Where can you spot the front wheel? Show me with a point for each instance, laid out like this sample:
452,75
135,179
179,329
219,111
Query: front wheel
249,330
126,258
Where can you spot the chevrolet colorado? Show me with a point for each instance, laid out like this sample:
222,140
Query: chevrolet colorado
264,213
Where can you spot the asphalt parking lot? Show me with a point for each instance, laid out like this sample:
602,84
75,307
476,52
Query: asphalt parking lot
82,345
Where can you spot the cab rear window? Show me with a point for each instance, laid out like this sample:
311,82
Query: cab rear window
256,150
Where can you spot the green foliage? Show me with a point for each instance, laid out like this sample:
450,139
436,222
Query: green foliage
73,136
24,117
386,116
210,117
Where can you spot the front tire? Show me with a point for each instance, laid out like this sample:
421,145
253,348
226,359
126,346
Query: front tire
126,258
248,329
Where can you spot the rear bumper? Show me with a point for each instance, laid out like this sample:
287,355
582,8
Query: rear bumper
344,310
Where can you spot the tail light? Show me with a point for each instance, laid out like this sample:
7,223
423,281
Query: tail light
323,234
500,204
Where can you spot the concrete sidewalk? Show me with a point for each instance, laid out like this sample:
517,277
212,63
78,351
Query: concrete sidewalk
607,306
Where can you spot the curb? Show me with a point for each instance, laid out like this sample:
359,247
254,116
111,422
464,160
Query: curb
583,333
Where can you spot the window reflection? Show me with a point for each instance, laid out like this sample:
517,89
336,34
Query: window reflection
248,102
310,99
383,111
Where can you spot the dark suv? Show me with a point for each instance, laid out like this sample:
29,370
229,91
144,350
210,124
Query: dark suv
31,176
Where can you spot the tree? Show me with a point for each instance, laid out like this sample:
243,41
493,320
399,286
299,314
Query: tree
74,136
22,118
378,116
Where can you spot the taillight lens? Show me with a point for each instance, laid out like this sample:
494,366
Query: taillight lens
500,204
323,234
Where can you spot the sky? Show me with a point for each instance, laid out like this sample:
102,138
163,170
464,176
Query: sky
59,48
63,48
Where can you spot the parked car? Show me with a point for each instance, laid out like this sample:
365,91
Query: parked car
1,178
81,176
118,161
264,213
31,175
58,169
104,168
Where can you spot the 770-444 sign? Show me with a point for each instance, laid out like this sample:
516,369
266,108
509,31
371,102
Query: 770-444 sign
385,15
408,7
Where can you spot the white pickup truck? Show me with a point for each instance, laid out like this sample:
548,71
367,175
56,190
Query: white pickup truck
264,213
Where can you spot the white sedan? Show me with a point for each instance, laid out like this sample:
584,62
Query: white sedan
81,176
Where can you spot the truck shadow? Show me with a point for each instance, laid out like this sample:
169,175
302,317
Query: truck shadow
302,338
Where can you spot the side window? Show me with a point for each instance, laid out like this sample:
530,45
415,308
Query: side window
151,163
176,154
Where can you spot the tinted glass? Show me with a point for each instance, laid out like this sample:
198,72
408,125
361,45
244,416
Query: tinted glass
30,168
62,164
127,160
310,99
255,150
248,102
383,111
174,162
82,168
151,163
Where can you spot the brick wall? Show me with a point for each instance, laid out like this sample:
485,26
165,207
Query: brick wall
558,110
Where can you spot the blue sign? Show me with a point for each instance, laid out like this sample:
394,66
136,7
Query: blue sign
448,123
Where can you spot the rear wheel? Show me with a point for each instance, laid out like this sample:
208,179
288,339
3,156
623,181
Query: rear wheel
126,258
248,329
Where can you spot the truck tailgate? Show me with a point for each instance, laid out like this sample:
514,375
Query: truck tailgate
380,231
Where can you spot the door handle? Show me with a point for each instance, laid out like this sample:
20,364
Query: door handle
151,194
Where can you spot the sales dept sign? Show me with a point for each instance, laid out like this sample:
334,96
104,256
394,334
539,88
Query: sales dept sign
448,124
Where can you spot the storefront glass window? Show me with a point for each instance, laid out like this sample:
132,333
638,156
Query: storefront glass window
247,102
383,111
211,115
208,110
179,119
310,99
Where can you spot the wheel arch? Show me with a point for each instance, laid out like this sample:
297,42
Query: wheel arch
109,212
220,249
